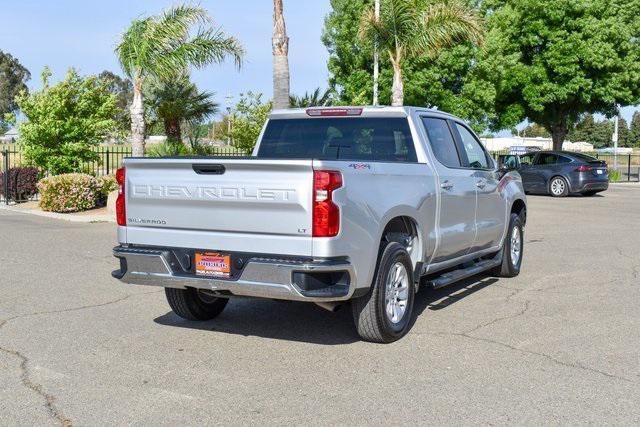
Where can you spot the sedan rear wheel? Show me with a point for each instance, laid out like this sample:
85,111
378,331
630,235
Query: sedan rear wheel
558,187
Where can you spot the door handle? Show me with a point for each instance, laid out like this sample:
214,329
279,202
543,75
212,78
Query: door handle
481,184
446,185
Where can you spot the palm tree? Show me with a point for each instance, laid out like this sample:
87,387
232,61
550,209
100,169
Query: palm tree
280,48
313,99
177,102
164,46
411,28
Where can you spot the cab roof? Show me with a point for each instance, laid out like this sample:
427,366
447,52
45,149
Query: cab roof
355,111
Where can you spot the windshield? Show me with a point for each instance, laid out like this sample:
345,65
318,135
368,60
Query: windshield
353,138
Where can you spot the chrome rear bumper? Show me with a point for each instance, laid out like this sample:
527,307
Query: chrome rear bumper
260,277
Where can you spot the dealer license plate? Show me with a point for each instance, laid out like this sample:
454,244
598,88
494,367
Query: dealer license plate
212,264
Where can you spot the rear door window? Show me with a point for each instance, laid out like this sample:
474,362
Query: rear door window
527,159
546,159
442,142
353,138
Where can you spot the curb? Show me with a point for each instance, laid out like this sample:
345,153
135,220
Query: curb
64,217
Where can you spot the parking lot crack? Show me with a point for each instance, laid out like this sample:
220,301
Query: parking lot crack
525,308
67,310
26,381
555,360
24,361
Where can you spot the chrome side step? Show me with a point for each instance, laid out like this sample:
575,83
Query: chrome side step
462,273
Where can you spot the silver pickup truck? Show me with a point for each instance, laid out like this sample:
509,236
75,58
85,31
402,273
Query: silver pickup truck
353,204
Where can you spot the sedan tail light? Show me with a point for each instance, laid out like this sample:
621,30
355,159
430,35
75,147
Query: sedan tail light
326,214
121,211
584,168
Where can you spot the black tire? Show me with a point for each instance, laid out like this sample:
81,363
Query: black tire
507,268
561,182
369,311
191,304
589,193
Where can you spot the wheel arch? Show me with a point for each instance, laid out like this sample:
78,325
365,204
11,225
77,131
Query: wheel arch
519,207
405,229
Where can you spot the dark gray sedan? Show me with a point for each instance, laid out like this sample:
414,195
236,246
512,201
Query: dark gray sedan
559,173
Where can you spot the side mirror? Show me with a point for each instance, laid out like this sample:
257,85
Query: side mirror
508,162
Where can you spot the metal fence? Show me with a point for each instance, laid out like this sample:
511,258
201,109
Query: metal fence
108,160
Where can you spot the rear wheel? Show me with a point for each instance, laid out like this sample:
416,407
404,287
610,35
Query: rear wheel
512,249
194,304
558,187
384,314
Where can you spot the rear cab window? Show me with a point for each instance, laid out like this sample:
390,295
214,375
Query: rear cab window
353,138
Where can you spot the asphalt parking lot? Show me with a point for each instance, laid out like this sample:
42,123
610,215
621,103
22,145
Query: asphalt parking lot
559,344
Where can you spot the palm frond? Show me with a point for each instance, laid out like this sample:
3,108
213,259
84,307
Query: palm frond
445,24
313,99
166,45
418,29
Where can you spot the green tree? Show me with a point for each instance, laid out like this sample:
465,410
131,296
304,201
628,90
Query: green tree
248,118
553,60
414,28
447,82
534,130
179,102
634,131
623,133
596,132
313,99
163,47
64,122
123,90
13,79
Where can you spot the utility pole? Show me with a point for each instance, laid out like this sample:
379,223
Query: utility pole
616,121
376,71
228,99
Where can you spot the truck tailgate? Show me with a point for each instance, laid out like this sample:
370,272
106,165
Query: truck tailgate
218,201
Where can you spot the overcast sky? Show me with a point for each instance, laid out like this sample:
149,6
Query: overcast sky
83,34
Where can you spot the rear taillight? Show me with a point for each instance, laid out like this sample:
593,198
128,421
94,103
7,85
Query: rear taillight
584,168
121,212
326,214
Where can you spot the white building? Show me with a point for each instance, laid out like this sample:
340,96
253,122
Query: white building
506,144
10,136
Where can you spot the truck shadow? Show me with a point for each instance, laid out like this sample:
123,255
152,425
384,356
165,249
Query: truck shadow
281,320
305,322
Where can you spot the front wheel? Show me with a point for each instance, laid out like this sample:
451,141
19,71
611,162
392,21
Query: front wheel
194,304
512,250
384,314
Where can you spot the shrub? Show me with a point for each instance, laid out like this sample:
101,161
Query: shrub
106,184
70,192
168,149
614,175
22,183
